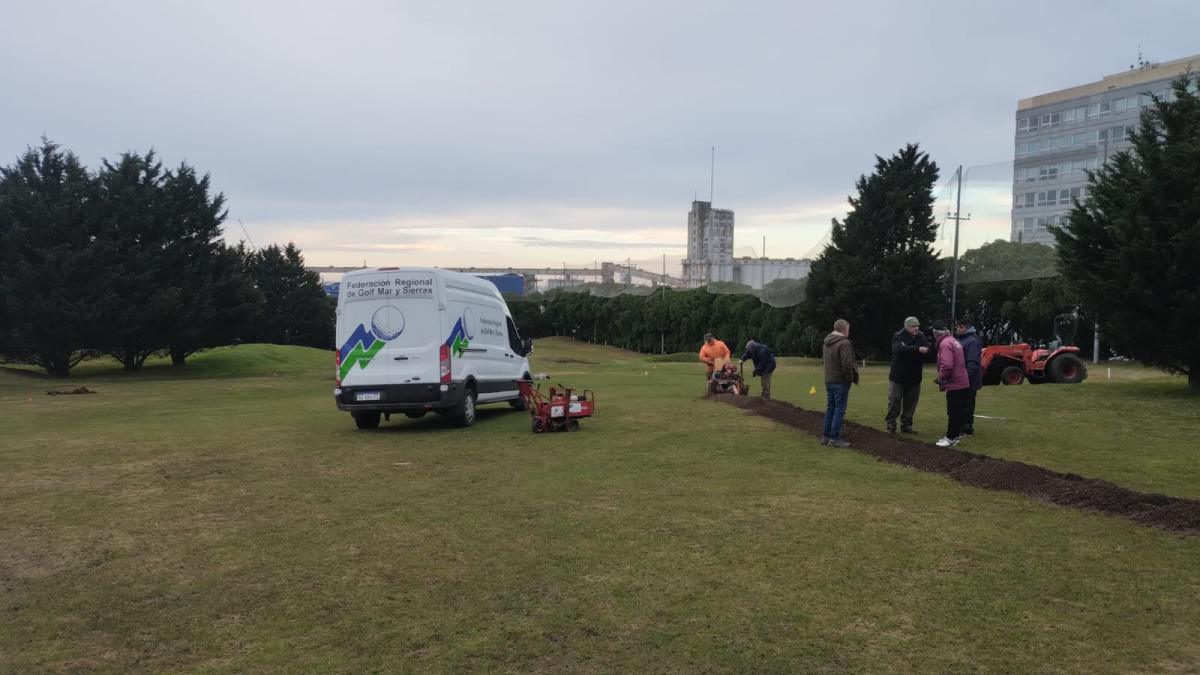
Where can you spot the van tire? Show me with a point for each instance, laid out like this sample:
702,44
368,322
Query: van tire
467,411
366,420
518,403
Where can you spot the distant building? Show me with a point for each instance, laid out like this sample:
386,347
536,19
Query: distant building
710,254
758,272
1062,134
566,282
710,245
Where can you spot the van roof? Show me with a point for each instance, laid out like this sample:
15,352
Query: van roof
470,280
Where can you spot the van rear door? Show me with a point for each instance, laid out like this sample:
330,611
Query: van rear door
390,320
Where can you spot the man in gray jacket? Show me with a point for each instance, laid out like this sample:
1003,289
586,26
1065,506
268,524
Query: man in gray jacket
840,373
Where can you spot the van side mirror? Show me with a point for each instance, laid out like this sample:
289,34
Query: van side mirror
526,346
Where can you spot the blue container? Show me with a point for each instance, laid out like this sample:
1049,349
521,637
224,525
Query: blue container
507,283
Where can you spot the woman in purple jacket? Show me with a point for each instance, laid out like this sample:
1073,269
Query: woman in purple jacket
952,379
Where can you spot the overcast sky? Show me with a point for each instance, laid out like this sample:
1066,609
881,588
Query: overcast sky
531,133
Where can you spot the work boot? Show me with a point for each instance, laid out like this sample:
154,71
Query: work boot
907,430
891,428
837,443
824,441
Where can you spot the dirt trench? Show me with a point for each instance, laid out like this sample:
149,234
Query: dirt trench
1065,489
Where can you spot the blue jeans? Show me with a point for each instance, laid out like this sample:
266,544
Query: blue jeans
836,396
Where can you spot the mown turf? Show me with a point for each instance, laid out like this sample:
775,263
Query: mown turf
232,519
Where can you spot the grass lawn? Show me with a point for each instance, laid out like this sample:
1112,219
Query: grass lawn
227,517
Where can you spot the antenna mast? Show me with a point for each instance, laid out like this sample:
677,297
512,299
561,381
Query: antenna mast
957,217
712,171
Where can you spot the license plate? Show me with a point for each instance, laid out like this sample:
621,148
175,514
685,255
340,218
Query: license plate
367,396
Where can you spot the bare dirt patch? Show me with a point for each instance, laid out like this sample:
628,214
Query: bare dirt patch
70,392
1065,489
571,360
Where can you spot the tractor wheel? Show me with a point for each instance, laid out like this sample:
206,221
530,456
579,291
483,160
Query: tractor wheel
1068,369
1012,375
573,425
712,386
537,426
744,389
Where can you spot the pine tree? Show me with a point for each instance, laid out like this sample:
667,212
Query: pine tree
1132,248
49,290
880,266
295,309
146,294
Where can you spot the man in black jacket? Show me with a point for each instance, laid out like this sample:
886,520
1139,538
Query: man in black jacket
764,363
973,353
909,347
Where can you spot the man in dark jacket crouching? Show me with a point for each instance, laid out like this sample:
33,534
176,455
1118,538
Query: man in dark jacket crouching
764,363
909,347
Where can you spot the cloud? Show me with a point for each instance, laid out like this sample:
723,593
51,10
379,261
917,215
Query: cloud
464,125
593,244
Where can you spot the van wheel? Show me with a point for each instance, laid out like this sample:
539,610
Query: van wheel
518,403
366,420
466,413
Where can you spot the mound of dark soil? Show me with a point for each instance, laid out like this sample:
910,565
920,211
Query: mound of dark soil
70,392
1181,515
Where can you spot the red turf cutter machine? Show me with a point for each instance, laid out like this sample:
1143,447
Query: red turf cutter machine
560,409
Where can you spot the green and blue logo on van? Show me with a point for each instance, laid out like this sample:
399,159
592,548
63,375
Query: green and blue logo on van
386,325
462,334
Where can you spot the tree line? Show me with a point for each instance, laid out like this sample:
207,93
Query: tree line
671,320
128,260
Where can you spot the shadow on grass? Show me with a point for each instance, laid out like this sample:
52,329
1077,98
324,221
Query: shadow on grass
432,423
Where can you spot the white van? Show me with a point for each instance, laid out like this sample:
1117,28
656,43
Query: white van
415,340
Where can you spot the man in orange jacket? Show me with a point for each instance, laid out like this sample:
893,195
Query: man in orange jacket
712,350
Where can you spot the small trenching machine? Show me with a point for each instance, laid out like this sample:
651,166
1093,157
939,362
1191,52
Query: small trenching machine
559,409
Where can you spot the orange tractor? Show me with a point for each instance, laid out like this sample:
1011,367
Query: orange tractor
1058,362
